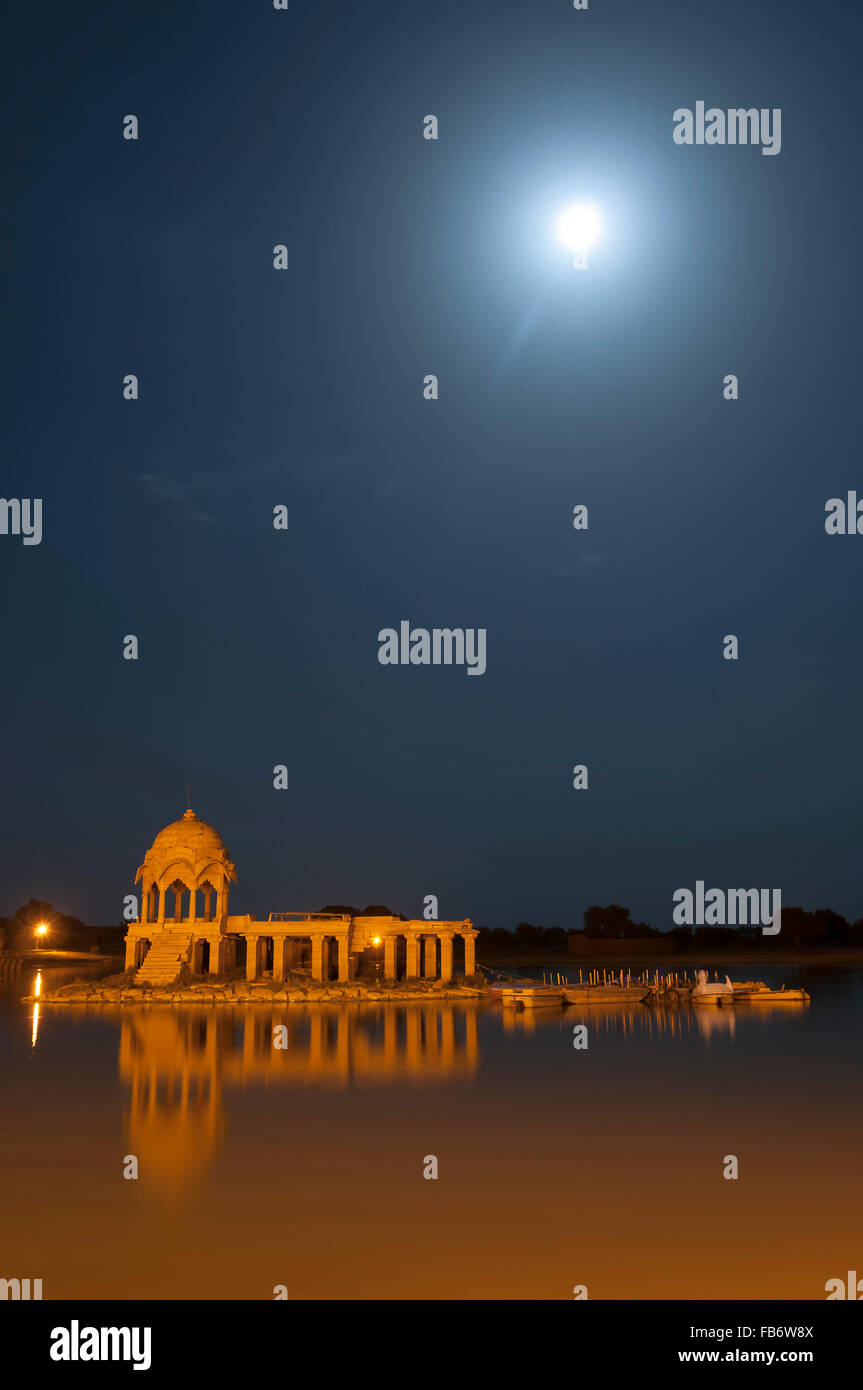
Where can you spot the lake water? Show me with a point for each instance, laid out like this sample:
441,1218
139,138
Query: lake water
557,1166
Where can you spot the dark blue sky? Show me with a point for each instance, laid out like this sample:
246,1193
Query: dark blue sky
603,387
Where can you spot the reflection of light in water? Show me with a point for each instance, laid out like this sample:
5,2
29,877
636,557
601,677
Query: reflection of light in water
713,1021
37,990
633,1019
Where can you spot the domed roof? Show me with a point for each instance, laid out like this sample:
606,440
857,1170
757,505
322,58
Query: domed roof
187,841
193,835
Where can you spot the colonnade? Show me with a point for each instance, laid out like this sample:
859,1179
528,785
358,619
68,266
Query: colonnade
331,954
154,902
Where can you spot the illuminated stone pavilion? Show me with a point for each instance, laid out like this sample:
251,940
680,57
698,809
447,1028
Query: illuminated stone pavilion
184,920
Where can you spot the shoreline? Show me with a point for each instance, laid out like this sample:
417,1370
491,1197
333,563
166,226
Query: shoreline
109,990
233,992
841,955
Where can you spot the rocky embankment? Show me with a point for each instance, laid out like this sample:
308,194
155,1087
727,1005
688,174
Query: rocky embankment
254,992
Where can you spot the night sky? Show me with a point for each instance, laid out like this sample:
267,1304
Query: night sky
304,388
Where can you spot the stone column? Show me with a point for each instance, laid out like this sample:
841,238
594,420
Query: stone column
390,948
222,900
412,962
317,956
469,954
446,956
279,944
145,902
193,905
215,957
131,943
344,960
178,906
430,957
162,896
251,957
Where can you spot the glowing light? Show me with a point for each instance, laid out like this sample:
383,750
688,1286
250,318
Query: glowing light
41,930
579,227
376,941
38,986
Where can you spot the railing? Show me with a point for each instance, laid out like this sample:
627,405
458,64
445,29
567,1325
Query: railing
308,917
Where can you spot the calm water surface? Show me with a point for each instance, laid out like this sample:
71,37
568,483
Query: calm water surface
558,1167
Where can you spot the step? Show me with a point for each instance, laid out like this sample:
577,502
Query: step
163,961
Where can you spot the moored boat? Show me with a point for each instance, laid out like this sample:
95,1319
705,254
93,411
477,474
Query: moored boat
532,996
771,996
605,994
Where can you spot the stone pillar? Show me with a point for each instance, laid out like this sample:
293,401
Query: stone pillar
215,957
178,906
344,960
469,955
222,900
162,896
145,903
251,957
446,956
430,957
279,944
317,956
193,905
390,958
131,943
412,962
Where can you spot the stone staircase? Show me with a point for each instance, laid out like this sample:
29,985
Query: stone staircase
161,965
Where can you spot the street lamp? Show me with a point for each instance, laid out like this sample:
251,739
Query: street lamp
42,932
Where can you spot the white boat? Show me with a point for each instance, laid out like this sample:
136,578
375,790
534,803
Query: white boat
706,992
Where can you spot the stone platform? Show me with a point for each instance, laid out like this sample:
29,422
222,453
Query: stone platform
242,992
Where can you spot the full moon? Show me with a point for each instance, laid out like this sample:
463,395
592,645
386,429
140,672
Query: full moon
579,227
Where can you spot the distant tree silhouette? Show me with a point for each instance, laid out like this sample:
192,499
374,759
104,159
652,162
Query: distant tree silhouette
612,923
836,926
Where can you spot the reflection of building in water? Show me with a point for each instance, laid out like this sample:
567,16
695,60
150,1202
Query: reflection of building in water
655,1020
179,1062
189,861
